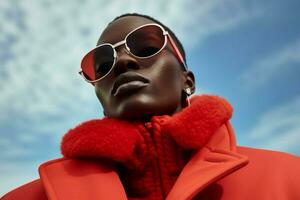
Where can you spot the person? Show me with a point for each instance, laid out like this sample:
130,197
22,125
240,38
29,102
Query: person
155,141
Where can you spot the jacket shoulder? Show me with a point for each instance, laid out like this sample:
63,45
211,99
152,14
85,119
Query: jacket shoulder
279,170
271,174
31,191
79,179
280,162
266,156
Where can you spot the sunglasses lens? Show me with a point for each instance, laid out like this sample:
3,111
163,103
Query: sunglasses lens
98,62
146,41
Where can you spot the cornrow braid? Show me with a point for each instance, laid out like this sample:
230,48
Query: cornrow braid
178,43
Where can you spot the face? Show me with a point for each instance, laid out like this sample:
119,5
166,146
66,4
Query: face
137,89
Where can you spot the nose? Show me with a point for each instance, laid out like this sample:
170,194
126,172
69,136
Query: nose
124,62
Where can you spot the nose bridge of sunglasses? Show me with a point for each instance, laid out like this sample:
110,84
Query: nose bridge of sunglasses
122,52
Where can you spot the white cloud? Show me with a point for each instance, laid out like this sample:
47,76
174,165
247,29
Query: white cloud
272,66
279,128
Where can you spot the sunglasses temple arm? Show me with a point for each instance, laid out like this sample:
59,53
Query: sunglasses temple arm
178,54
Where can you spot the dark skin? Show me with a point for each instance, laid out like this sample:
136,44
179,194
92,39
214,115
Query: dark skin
163,94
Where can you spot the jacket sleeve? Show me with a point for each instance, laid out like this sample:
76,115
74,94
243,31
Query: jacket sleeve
30,191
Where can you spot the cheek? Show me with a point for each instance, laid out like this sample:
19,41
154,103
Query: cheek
167,77
102,92
100,96
167,86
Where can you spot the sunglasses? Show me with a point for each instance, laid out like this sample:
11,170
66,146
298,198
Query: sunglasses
143,42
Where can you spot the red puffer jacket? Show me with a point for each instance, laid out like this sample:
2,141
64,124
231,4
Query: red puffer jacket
217,169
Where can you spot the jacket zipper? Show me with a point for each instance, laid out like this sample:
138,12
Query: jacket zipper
149,128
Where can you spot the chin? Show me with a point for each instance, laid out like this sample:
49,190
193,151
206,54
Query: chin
142,108
134,111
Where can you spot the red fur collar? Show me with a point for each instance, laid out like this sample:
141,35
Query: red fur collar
115,139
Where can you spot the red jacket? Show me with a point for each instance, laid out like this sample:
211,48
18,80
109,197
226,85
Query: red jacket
219,170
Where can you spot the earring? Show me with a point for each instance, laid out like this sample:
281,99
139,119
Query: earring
188,91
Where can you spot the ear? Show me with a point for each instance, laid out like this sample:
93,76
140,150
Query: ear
189,81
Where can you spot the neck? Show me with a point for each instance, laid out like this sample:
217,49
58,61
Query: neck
147,117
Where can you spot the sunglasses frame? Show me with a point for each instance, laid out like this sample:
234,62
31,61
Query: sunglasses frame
166,35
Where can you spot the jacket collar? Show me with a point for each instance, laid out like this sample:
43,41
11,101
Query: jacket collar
117,140
215,156
217,159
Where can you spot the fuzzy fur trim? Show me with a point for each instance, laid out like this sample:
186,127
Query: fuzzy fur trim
193,127
118,140
105,138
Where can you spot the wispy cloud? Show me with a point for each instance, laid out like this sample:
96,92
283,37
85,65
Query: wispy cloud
272,66
203,19
279,128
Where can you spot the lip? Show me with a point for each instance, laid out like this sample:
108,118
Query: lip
127,82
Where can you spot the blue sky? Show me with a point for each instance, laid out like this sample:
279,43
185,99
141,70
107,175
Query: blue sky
245,51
